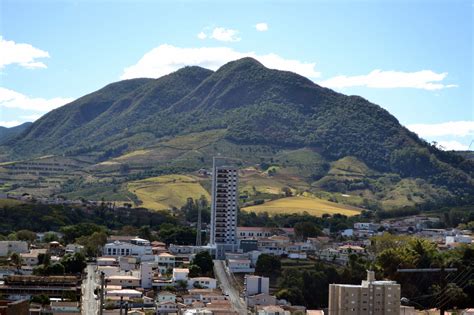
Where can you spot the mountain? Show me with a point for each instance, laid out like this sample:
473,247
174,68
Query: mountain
247,105
9,133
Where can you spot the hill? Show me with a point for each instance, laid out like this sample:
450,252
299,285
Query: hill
297,133
300,204
166,192
9,133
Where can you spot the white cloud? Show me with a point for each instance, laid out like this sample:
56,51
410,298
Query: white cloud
24,55
202,35
13,99
261,27
450,128
165,59
425,79
225,34
10,124
32,117
452,145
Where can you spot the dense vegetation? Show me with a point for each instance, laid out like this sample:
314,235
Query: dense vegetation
255,106
42,218
9,133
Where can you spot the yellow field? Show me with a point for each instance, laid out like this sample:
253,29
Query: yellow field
299,204
9,202
261,183
165,192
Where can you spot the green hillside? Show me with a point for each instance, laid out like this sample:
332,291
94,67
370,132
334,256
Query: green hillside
299,134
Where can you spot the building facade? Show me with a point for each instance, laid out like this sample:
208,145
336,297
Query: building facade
224,207
371,297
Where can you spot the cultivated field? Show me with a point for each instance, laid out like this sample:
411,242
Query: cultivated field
165,192
299,204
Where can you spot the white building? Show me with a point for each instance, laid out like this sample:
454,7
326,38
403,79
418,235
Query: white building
202,282
126,293
165,261
261,299
124,281
31,258
146,275
165,296
272,310
257,232
366,226
224,206
117,249
256,285
168,307
9,247
65,307
74,248
180,274
106,261
240,266
458,238
274,245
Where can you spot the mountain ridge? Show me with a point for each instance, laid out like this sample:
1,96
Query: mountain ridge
255,106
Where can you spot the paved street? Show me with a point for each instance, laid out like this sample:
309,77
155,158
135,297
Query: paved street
229,288
90,306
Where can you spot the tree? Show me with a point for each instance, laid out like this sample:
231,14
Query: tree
181,285
303,230
204,261
55,269
44,259
268,265
145,232
16,260
26,235
50,237
40,299
72,232
194,271
287,191
128,230
93,244
74,263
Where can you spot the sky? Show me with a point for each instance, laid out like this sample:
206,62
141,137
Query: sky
413,58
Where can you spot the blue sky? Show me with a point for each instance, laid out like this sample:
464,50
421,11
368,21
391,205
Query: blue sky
414,58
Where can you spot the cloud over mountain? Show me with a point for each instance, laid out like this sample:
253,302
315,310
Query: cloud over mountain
165,59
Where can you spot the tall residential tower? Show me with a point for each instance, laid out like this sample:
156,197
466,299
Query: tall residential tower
224,207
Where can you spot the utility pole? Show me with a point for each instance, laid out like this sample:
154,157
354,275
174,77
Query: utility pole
102,284
199,228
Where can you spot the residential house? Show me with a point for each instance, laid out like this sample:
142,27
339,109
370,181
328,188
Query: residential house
202,282
240,266
165,296
272,310
9,247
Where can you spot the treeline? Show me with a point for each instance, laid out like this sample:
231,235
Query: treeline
334,223
42,218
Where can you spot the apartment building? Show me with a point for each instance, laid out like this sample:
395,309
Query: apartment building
371,297
224,208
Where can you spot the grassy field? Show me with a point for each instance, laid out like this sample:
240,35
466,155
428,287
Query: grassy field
165,192
299,204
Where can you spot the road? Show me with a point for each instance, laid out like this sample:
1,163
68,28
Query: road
90,306
229,288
